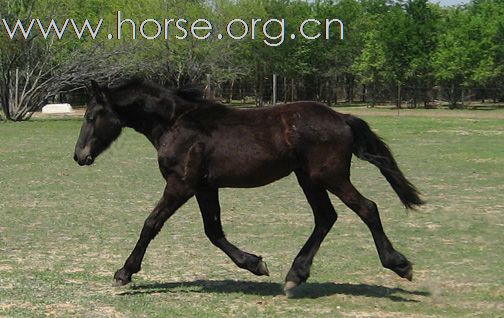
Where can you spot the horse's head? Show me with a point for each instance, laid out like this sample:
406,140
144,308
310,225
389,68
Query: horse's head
100,128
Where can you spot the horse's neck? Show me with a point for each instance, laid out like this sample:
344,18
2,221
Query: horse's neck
151,120
151,129
142,122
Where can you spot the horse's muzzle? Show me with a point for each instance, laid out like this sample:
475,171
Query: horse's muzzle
86,161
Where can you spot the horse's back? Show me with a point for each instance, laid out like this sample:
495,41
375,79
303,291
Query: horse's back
309,123
258,146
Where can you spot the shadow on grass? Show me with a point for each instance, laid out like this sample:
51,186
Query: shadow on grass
308,290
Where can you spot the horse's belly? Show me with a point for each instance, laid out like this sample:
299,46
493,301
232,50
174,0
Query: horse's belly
233,174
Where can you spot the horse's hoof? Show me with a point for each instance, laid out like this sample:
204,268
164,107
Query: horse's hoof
121,278
406,271
289,289
119,283
262,268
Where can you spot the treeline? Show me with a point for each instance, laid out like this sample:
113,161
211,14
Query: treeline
411,53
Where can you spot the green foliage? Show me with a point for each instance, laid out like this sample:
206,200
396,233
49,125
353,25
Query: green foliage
370,66
469,46
412,44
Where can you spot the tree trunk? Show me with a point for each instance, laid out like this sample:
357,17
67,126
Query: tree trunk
261,91
16,88
231,87
399,97
415,91
453,99
292,90
5,92
240,92
320,95
350,88
373,94
329,93
335,92
285,89
462,98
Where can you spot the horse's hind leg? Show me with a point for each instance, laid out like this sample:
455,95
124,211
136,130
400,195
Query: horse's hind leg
368,212
208,201
325,216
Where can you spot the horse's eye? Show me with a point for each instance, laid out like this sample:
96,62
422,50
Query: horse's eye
89,119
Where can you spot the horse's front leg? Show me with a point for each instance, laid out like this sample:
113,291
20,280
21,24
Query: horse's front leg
175,194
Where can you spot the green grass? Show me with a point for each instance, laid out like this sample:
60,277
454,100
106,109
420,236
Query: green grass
65,229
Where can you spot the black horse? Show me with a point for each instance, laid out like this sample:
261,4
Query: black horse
203,146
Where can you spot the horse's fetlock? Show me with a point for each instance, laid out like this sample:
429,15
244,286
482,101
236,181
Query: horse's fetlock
298,275
397,263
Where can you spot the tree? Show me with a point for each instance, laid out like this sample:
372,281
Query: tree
422,41
488,26
34,69
371,64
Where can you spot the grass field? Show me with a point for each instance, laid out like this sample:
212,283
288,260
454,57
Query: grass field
65,229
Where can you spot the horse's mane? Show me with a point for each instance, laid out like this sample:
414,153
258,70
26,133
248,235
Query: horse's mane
184,98
190,94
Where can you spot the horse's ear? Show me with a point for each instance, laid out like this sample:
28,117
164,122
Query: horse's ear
98,92
95,88
87,88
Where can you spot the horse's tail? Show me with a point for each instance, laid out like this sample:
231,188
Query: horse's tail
370,147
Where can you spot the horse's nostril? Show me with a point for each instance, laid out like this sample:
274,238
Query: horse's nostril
89,160
75,157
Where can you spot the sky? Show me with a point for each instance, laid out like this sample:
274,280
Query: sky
449,2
